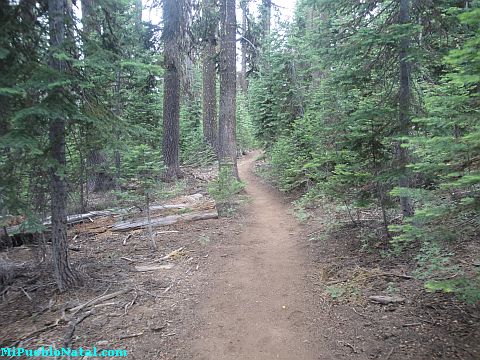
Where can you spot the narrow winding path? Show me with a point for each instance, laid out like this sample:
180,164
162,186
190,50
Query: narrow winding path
256,308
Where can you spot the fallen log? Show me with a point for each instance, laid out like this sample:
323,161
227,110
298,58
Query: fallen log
89,216
71,220
163,221
169,207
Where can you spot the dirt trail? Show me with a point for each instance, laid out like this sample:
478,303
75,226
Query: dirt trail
256,308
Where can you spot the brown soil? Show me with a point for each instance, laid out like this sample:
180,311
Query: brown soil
256,308
257,285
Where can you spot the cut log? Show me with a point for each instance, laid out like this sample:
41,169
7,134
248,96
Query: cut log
163,221
385,300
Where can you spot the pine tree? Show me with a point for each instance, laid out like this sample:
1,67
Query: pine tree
404,99
227,148
244,46
96,160
210,73
174,17
65,276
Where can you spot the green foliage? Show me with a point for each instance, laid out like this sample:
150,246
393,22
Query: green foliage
141,161
300,213
141,178
110,100
447,155
204,240
32,224
325,102
432,261
224,190
467,290
335,292
323,98
392,289
194,150
273,95
245,129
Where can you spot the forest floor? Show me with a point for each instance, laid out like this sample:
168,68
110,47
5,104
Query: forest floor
258,284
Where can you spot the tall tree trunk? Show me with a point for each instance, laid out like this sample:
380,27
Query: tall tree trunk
89,22
172,35
243,71
312,24
210,77
138,16
98,177
100,180
64,274
228,91
404,108
117,111
70,27
267,17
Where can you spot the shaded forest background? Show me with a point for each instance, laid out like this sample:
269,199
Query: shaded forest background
372,106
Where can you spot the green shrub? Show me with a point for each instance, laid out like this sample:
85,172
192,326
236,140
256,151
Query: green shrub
224,190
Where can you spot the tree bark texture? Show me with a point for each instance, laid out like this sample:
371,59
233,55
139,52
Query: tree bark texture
243,71
98,176
228,90
100,179
404,108
172,36
87,17
267,16
64,274
138,16
210,77
117,111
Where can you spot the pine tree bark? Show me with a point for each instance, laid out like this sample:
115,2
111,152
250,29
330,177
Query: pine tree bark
88,24
138,16
98,177
64,274
210,77
117,111
228,91
172,36
243,71
404,103
267,17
